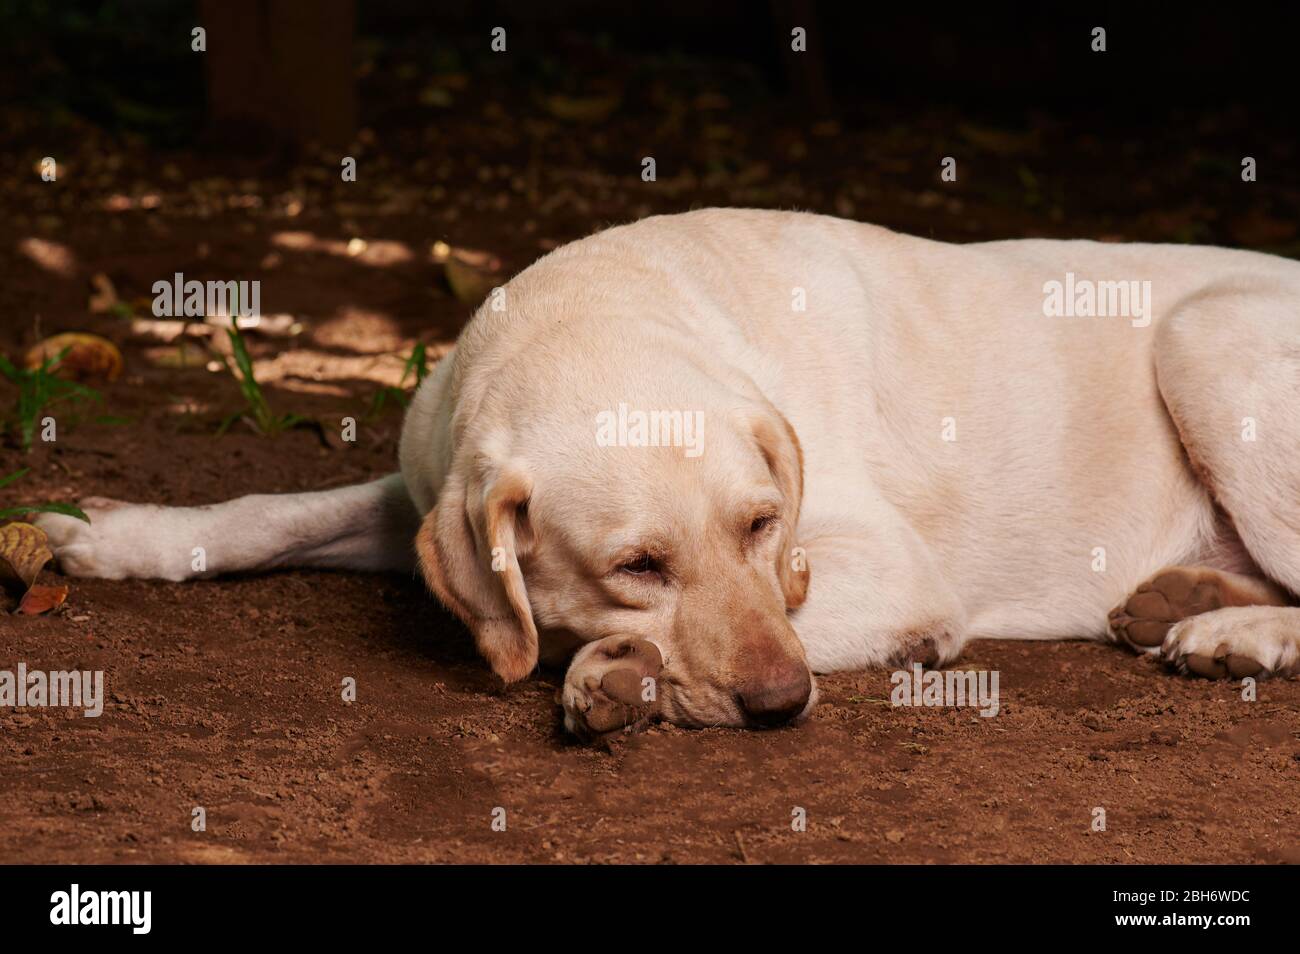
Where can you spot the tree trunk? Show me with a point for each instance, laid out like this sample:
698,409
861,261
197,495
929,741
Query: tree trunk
280,71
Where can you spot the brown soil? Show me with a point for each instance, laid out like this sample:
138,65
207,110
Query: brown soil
226,694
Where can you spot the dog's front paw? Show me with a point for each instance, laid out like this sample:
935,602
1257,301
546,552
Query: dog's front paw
80,548
611,685
121,541
1236,642
931,648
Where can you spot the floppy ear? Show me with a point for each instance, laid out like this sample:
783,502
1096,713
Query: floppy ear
780,447
469,547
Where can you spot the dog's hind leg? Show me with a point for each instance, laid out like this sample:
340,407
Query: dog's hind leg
1228,367
363,527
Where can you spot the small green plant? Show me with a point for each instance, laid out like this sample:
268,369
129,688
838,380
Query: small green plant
38,390
8,513
417,366
256,410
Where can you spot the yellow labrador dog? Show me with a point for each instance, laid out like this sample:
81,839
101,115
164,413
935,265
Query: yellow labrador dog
708,455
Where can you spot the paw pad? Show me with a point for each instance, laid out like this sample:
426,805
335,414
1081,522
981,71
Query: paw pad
605,692
1144,620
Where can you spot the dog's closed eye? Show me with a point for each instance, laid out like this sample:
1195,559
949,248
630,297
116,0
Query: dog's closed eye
761,523
640,565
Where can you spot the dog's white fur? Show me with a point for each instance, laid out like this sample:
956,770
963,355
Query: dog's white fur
971,467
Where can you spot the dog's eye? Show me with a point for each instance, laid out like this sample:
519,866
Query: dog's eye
761,523
639,565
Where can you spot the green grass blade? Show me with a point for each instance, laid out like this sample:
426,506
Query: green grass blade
417,364
65,509
252,391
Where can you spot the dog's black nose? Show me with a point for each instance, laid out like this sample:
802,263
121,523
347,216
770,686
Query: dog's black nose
773,705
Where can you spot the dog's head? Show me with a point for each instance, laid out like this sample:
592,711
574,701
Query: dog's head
561,522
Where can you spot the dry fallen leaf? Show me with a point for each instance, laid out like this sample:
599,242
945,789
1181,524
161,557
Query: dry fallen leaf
104,295
1000,142
42,599
24,549
272,326
54,257
89,357
473,274
167,330
182,355
594,108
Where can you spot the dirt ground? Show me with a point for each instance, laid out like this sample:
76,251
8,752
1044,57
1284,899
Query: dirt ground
227,694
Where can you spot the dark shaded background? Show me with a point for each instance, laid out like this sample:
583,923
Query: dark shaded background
98,57
1037,121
